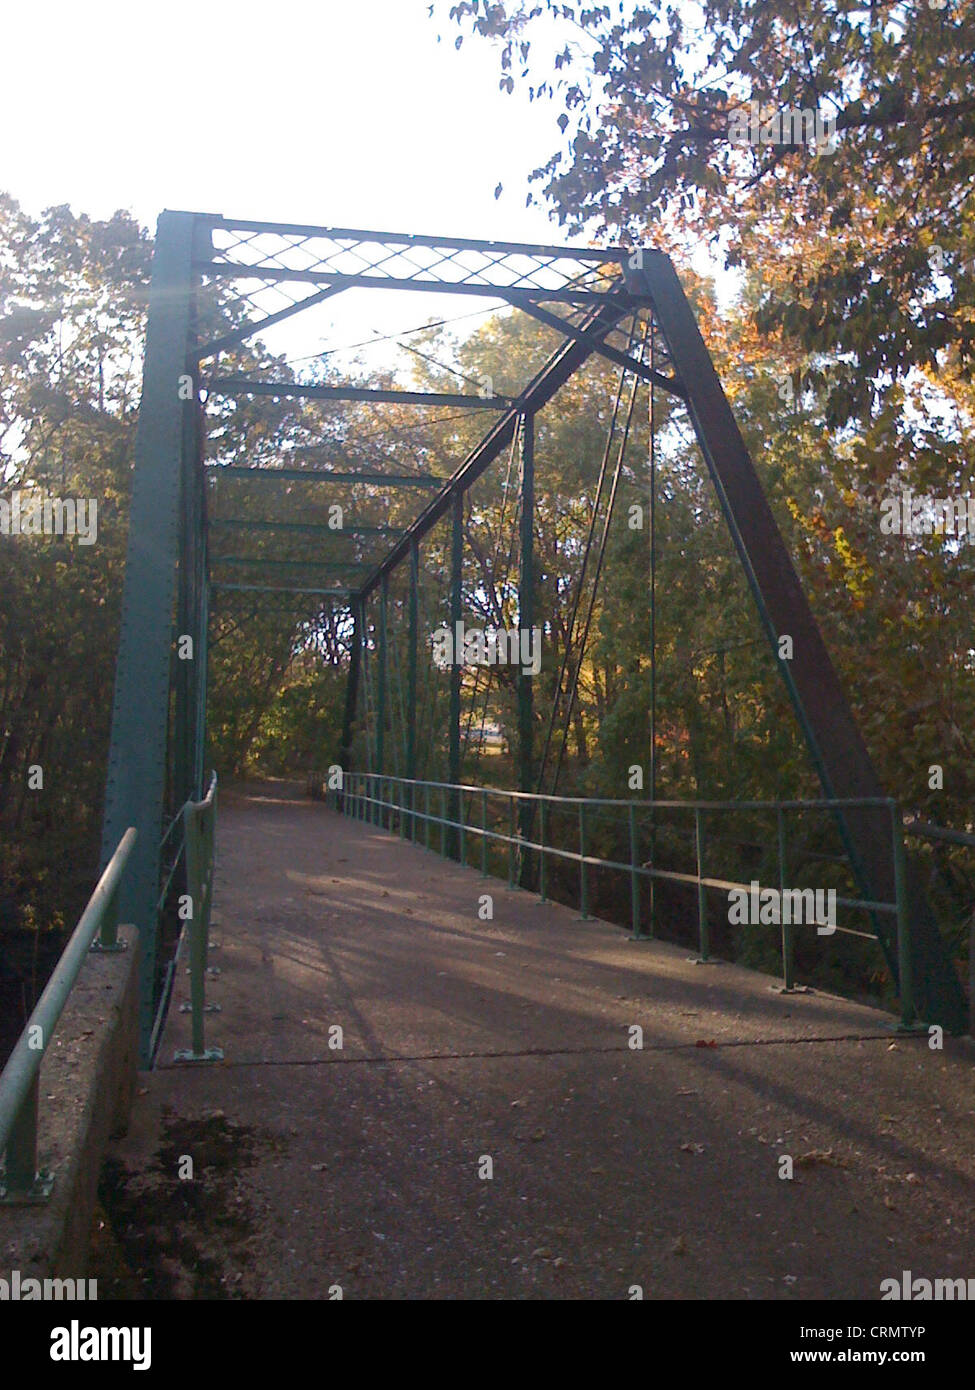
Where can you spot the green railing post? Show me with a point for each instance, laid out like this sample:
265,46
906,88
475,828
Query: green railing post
511,841
484,838
702,892
400,799
463,840
21,1173
107,939
426,811
443,823
634,877
413,812
583,866
198,960
905,964
199,823
542,806
788,932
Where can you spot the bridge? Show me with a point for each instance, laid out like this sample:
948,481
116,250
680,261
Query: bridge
472,1039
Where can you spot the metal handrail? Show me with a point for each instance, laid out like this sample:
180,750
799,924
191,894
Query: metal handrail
22,1181
821,803
355,799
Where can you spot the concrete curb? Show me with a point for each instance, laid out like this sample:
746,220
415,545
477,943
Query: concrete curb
87,1084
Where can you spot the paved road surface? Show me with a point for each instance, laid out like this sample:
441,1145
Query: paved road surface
464,1041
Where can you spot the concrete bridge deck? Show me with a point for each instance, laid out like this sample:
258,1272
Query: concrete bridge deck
316,1168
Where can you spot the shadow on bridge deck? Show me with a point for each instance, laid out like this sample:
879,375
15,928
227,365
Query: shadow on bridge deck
360,1168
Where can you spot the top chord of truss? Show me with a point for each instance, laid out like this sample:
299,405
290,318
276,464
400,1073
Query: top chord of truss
277,251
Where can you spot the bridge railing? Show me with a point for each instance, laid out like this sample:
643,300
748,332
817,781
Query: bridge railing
412,803
21,1180
199,831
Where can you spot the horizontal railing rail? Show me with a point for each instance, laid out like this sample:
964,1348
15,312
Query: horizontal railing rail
368,795
22,1180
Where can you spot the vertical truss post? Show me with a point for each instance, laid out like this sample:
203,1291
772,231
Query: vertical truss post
194,610
351,688
381,692
184,659
412,638
202,642
138,749
526,618
202,648
653,631
457,664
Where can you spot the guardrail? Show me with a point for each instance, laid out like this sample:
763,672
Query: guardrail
21,1180
199,830
368,795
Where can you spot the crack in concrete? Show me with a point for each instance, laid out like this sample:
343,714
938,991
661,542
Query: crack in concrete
698,1046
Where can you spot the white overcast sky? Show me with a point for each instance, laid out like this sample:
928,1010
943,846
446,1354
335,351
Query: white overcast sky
333,112
337,112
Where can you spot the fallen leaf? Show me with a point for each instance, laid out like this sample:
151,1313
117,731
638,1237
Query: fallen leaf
820,1156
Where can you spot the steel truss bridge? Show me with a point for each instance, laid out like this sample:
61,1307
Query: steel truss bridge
216,283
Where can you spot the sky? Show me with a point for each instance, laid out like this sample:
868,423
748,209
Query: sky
337,112
333,112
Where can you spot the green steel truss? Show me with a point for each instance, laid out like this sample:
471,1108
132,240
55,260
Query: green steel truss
216,283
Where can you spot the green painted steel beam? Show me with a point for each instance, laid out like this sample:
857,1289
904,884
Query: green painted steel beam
835,743
203,658
278,275
412,638
247,330
526,619
609,311
234,386
278,589
343,567
351,688
137,759
304,528
381,692
315,475
258,562
190,538
622,359
457,667
593,255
